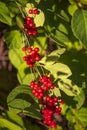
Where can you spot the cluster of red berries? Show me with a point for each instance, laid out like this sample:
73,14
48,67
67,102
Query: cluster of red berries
30,26
29,23
33,11
39,89
51,106
32,55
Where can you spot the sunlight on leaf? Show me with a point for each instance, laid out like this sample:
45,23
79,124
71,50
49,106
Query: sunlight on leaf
68,87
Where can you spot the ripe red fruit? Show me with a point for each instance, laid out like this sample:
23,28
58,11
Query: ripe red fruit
36,49
29,32
37,58
35,11
55,99
30,11
34,32
32,54
24,49
62,102
30,26
50,104
28,19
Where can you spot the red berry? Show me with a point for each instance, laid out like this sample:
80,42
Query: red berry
37,58
34,32
62,102
30,11
48,98
55,99
29,32
36,94
30,49
36,49
35,11
58,109
52,86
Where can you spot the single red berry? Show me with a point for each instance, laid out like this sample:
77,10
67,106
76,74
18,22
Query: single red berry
37,58
30,11
55,99
34,32
36,94
31,65
36,86
45,88
40,96
62,102
30,49
48,98
52,87
29,32
31,25
28,18
58,109
23,48
35,11
36,49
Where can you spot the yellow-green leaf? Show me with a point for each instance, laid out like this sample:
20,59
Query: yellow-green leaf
68,87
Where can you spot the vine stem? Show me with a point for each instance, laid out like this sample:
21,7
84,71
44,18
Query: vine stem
41,68
37,71
33,71
20,8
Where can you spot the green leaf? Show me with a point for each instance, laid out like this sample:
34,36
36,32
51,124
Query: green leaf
13,8
11,121
16,57
79,25
20,21
59,70
72,1
81,116
69,117
56,92
24,74
59,36
32,112
57,26
58,128
78,127
52,57
23,2
28,7
68,87
79,99
5,14
20,98
72,8
83,2
41,43
13,39
64,109
39,19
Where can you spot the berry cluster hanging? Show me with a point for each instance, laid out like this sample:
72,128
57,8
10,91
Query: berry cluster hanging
30,26
41,89
50,104
29,23
31,56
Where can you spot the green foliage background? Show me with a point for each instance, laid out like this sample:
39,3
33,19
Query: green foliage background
65,26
